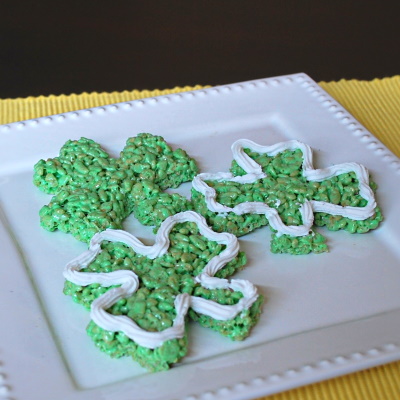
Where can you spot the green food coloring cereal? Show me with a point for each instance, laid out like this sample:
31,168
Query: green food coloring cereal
161,280
285,189
93,192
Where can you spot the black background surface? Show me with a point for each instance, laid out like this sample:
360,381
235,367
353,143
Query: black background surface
51,47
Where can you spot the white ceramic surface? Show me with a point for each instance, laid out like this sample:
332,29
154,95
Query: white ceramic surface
325,315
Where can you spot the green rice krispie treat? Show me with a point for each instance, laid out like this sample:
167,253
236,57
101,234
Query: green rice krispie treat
93,191
147,291
278,186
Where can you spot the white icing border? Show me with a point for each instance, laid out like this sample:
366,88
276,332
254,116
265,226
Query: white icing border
129,281
307,209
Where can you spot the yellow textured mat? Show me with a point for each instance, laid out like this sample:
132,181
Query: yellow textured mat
376,104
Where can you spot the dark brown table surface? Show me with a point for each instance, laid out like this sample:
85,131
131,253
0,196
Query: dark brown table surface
49,47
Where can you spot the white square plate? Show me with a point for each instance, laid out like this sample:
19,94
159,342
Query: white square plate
324,315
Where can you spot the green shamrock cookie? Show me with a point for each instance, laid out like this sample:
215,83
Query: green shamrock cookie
277,185
141,296
93,191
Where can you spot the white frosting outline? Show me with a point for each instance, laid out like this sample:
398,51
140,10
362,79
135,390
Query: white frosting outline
129,281
307,209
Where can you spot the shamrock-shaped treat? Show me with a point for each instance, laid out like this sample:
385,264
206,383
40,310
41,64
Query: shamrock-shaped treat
93,191
140,296
278,185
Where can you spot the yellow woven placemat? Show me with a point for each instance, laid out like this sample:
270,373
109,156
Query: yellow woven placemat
376,104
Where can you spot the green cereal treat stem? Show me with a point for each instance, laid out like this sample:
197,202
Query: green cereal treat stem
312,243
236,329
